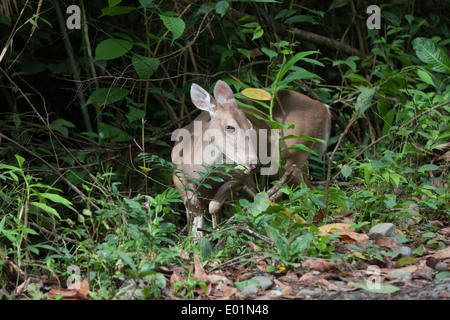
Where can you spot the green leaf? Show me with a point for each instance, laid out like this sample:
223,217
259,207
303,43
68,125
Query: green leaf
301,18
431,54
425,77
145,67
338,3
9,167
240,285
346,171
270,53
293,61
383,288
299,74
258,33
358,79
175,25
442,275
222,7
259,204
419,250
114,11
428,167
245,52
107,95
61,126
47,208
20,160
58,199
112,48
364,100
113,133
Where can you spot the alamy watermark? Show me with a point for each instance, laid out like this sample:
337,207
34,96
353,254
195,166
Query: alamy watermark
74,20
374,21
373,282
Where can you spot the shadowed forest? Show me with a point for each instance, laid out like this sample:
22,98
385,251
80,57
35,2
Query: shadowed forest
91,92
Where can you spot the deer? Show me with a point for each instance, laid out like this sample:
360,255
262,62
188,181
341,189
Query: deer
238,135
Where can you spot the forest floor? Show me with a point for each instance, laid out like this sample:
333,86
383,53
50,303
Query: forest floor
411,268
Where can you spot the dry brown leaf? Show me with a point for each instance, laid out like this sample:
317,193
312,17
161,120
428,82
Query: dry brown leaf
175,277
351,237
199,272
252,246
410,269
386,243
225,291
261,265
217,278
445,231
345,231
66,294
318,264
255,52
76,291
309,276
333,287
445,156
82,287
24,285
291,275
444,294
335,227
442,254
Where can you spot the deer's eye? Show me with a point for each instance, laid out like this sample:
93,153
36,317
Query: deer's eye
229,129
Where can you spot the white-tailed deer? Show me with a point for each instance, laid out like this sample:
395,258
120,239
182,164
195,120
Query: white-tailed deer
224,132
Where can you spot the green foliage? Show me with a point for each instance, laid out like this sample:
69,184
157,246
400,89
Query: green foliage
85,178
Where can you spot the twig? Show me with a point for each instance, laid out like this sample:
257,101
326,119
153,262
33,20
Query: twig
70,184
330,158
254,234
401,127
287,176
393,131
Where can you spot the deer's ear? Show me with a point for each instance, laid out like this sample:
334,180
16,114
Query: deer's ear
201,98
223,92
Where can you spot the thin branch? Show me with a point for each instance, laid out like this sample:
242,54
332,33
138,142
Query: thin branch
393,131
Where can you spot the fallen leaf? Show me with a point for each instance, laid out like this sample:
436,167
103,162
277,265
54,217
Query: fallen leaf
175,277
255,52
76,291
410,269
383,288
291,275
217,278
445,156
442,254
24,285
226,291
334,287
445,231
404,261
318,264
344,230
351,237
252,246
199,272
444,293
335,227
82,287
388,243
309,276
